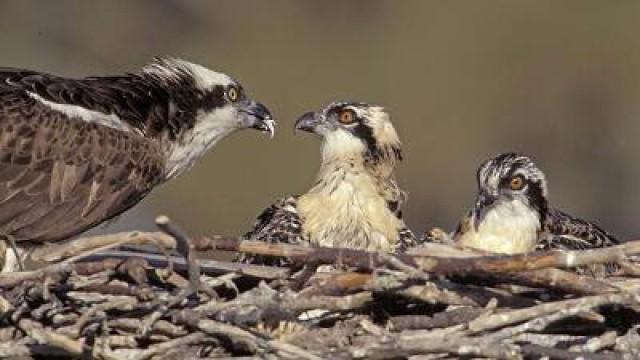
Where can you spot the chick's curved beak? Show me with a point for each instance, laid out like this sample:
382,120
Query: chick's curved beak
307,122
263,120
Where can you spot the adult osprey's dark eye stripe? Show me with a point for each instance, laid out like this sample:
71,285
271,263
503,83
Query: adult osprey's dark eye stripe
214,98
347,116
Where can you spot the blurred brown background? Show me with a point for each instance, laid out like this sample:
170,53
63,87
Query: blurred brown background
463,80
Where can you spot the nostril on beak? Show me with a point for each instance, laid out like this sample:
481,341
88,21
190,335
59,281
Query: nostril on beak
261,112
306,122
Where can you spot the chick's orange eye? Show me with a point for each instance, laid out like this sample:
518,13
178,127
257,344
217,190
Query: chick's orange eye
517,183
346,117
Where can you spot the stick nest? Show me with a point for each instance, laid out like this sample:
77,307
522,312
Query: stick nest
435,302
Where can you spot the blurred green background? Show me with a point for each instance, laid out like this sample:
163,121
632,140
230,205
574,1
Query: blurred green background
463,80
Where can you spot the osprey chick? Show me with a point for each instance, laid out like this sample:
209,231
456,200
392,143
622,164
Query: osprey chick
355,202
512,213
77,152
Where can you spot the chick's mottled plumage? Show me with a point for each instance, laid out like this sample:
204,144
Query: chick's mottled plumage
355,201
512,213
563,231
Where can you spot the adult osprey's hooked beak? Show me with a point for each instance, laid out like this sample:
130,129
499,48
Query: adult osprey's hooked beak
261,117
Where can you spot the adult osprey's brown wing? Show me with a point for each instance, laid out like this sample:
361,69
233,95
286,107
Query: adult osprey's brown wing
62,175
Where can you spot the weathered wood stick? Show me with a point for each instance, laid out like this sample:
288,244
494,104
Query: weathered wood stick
209,267
555,279
516,316
57,252
430,263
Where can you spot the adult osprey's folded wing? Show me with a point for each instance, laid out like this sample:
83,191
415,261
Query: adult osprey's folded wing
61,175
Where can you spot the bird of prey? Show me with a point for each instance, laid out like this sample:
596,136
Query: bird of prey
355,202
512,213
77,152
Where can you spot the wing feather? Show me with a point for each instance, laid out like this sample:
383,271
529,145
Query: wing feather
92,198
565,232
60,176
57,173
136,99
570,233
279,223
406,240
69,181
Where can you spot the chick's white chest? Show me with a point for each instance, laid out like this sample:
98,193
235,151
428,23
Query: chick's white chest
510,228
347,210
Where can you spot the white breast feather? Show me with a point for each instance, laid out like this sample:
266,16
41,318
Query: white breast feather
350,215
340,145
509,228
345,208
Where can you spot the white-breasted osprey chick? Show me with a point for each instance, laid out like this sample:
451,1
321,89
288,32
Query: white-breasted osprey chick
512,214
77,152
355,202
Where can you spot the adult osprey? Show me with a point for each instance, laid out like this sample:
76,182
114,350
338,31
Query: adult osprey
77,152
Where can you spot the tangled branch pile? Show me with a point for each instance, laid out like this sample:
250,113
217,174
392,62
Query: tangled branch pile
142,305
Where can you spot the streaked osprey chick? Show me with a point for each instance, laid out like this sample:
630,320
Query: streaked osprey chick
512,213
355,201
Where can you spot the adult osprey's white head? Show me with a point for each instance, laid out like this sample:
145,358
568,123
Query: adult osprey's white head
76,152
203,107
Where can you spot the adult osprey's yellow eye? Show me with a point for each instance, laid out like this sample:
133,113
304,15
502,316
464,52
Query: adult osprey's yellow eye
347,117
517,183
232,94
